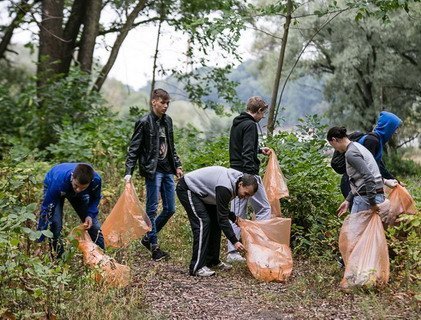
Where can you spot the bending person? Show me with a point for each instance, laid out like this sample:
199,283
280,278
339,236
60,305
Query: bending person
205,195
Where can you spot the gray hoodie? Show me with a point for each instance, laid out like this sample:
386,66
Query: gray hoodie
363,171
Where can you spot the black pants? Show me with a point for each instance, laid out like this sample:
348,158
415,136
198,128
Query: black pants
346,188
205,227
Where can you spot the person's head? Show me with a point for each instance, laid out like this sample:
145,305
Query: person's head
246,186
387,125
160,102
257,107
338,138
82,177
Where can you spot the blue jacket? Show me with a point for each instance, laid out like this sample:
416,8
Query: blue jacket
57,184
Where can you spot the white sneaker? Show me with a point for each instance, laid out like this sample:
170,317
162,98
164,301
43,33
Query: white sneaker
223,266
234,256
204,272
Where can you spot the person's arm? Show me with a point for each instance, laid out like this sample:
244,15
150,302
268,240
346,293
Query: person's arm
249,148
373,145
223,198
94,198
177,161
48,205
383,171
133,150
356,160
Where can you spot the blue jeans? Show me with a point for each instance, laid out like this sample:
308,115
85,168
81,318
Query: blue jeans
161,183
80,204
360,203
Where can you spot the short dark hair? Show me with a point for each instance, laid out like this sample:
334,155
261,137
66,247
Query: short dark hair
160,93
336,132
255,103
249,180
83,173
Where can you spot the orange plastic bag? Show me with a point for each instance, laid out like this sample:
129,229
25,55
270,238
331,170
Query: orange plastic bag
108,271
275,185
400,202
127,221
363,247
269,257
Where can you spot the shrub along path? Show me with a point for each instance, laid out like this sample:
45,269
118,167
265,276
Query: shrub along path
311,293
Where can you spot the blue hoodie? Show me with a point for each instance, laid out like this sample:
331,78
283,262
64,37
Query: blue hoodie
386,126
57,184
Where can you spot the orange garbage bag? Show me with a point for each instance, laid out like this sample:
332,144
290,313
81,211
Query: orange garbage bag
400,202
275,185
269,257
108,271
363,247
127,221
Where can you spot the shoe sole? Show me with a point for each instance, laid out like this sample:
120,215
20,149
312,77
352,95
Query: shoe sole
160,259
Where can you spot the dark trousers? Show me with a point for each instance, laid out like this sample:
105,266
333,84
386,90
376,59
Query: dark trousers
346,188
205,227
80,204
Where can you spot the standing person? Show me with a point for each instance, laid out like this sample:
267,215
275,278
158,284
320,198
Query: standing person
205,195
81,186
387,125
364,175
152,145
243,151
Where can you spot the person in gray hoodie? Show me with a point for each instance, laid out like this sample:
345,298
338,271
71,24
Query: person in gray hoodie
364,175
205,195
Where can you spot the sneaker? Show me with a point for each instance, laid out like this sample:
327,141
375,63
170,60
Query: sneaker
235,257
223,266
158,255
204,272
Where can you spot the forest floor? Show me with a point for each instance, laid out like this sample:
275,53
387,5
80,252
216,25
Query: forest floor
311,293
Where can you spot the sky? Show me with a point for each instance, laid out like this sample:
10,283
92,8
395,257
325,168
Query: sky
134,63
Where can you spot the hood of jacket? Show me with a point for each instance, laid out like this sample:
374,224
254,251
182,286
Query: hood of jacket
244,116
387,125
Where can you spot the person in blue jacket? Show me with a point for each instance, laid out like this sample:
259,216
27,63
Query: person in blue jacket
81,186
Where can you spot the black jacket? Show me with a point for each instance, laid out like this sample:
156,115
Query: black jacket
144,146
244,144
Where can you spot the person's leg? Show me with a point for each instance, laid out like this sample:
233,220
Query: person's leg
168,201
260,203
239,207
199,222
80,204
152,197
214,244
56,226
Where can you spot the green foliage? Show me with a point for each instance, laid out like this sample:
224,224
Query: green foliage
402,167
313,187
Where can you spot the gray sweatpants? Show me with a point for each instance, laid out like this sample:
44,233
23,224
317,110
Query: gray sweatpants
259,203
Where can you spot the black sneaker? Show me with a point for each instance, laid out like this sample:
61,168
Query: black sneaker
158,255
146,243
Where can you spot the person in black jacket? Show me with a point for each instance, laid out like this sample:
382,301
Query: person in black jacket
243,151
374,141
152,146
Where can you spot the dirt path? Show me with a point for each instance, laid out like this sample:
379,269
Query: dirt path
170,293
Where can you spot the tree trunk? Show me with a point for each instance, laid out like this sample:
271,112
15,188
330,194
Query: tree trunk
155,58
71,32
50,41
118,42
22,9
271,119
90,32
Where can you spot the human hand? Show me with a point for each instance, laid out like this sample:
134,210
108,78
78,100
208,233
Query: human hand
391,183
375,209
88,223
239,247
266,151
179,172
342,208
127,178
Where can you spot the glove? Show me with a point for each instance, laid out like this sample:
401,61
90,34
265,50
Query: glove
391,183
127,178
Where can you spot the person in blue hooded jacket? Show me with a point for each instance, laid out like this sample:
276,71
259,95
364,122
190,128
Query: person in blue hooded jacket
374,141
81,186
